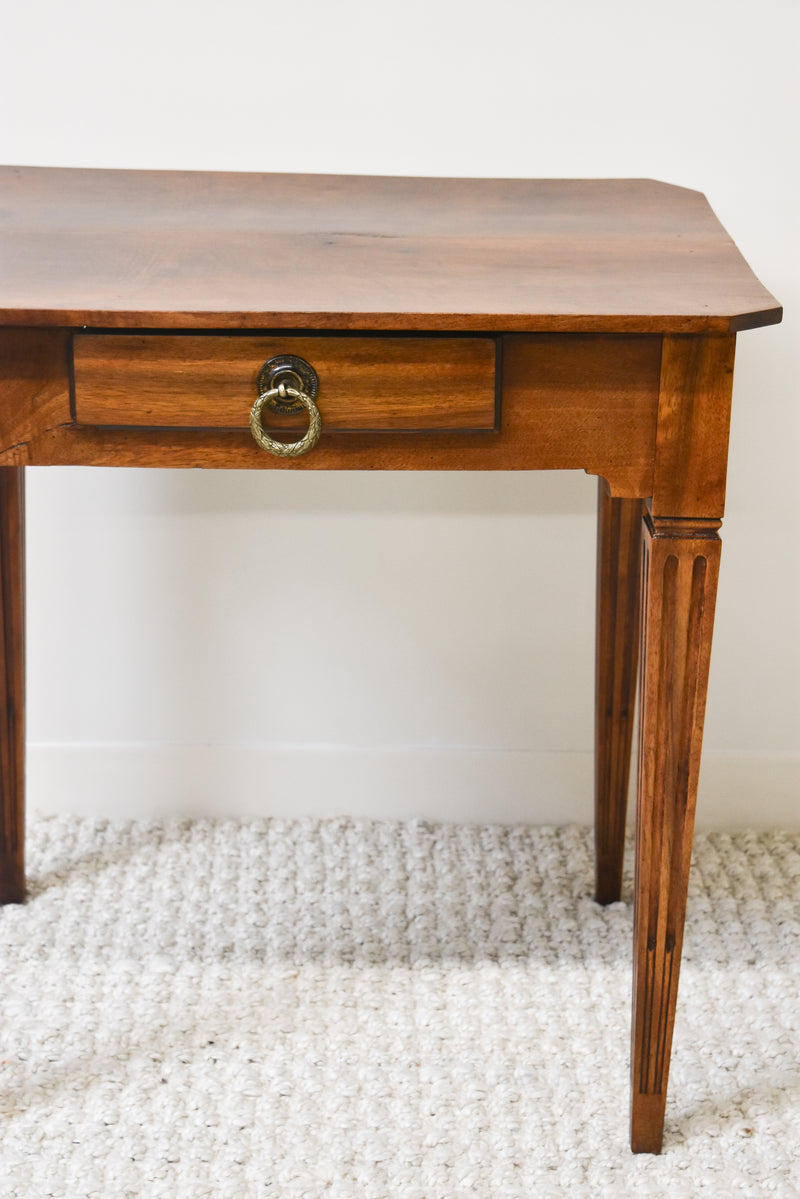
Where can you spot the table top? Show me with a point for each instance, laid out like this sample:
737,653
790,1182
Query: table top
200,250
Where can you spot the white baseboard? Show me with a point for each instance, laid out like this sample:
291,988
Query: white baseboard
141,781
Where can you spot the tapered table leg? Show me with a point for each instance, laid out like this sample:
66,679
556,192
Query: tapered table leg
619,536
12,684
680,569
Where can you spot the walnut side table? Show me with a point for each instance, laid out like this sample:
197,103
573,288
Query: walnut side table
430,325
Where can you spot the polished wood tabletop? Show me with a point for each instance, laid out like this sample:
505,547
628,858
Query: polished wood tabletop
190,319
190,250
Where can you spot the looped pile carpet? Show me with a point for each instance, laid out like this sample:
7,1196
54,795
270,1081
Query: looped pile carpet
372,1010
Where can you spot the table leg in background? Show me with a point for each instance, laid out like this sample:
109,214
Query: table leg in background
619,535
12,684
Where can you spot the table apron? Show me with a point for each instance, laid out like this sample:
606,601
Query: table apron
529,402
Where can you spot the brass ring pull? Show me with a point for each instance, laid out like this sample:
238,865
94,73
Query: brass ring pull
285,449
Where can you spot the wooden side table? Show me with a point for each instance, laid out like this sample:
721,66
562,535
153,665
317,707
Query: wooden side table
430,325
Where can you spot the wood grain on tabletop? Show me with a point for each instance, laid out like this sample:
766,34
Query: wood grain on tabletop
182,249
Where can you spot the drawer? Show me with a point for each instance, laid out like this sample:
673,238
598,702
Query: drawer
209,381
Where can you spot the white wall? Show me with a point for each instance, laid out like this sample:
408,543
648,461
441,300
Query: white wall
425,641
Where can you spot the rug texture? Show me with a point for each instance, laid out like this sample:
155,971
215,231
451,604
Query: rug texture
372,1010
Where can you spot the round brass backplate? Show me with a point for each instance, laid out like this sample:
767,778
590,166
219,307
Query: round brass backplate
292,372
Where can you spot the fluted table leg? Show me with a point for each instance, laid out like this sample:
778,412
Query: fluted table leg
680,569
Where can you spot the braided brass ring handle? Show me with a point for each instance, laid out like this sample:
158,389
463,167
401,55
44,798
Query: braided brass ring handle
285,449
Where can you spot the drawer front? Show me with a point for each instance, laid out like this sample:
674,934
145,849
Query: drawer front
209,382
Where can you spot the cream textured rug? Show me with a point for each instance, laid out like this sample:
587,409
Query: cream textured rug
382,1011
